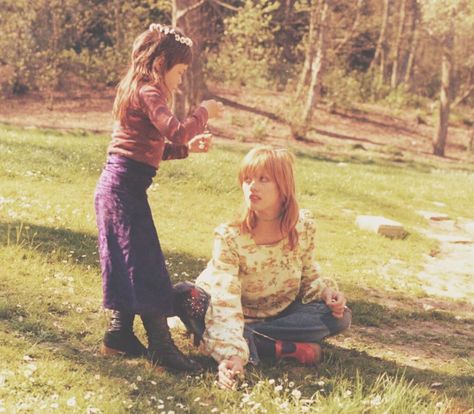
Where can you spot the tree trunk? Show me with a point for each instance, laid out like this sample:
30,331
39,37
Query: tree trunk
317,68
118,20
413,45
398,45
189,16
310,49
381,48
440,137
355,25
286,35
52,78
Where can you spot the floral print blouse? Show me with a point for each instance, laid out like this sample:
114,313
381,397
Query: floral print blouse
248,282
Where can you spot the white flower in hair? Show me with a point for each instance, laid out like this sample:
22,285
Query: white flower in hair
170,30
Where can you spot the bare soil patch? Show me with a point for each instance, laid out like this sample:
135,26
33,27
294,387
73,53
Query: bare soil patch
260,116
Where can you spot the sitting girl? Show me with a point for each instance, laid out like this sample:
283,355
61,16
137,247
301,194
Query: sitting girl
261,294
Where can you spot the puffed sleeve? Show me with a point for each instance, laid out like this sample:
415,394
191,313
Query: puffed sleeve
312,284
153,104
224,319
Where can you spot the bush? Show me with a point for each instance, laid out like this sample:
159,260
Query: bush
401,98
342,88
103,66
247,52
349,88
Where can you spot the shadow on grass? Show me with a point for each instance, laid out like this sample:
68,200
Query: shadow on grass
357,156
45,342
55,130
349,363
374,314
58,244
35,328
337,363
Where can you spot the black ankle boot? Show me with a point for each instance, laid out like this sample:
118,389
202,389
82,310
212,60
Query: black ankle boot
120,339
190,305
161,348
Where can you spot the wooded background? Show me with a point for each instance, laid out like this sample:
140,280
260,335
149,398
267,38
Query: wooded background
405,53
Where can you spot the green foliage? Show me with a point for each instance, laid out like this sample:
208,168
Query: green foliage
103,66
60,44
63,43
259,130
348,89
247,51
18,45
401,98
345,89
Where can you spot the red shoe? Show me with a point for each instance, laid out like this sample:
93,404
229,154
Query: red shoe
306,353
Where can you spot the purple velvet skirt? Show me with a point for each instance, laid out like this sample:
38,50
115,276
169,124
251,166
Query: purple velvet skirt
134,274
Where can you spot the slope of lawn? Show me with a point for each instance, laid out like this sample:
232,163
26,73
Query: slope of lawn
51,320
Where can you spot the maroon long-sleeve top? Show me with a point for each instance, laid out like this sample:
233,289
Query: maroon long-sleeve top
152,133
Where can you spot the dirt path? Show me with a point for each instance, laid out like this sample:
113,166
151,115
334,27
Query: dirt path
450,273
259,116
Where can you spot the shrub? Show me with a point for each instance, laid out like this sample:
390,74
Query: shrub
247,52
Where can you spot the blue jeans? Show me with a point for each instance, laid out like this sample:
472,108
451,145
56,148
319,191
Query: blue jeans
310,322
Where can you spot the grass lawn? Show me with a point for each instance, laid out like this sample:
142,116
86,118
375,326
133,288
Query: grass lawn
394,360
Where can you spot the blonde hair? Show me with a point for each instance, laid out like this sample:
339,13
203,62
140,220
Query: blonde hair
149,48
278,164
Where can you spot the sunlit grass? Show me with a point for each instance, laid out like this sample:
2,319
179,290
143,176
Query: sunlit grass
51,321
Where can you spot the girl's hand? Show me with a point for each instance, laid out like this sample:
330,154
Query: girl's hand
335,301
229,371
214,109
200,143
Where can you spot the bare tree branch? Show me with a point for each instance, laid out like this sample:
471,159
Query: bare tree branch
380,49
395,80
344,41
180,13
464,96
225,5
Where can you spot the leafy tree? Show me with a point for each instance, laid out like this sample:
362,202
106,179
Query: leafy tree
247,51
445,19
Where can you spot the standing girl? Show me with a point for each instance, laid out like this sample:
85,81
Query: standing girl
134,276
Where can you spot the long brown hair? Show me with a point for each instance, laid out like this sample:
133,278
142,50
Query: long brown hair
150,47
278,164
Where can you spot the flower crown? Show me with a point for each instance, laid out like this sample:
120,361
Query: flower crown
170,30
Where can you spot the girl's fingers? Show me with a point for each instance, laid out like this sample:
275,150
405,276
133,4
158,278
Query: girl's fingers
338,307
225,379
224,385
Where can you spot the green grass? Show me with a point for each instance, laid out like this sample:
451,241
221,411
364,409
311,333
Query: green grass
51,320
